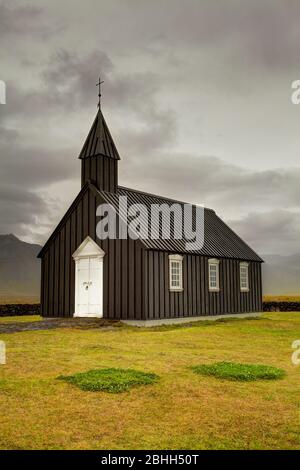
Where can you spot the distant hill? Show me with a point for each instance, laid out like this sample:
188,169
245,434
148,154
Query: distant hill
281,275
19,270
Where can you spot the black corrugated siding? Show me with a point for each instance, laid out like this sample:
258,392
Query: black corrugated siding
123,270
102,172
160,302
136,280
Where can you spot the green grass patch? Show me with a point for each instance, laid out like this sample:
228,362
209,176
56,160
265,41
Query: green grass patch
240,372
110,380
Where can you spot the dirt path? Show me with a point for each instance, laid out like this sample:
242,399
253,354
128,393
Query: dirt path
81,323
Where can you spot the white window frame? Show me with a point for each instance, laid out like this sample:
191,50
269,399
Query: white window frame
244,265
216,263
178,259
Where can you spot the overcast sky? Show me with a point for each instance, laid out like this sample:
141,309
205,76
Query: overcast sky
197,96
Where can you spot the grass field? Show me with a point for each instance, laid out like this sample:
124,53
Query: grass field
182,410
18,319
281,298
25,299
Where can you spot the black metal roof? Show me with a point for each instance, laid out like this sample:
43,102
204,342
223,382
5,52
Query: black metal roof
99,140
219,239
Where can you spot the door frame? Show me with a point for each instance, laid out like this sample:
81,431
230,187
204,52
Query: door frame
88,249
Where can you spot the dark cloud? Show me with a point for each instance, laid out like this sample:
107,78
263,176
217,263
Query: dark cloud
18,21
34,164
22,212
213,181
271,232
33,167
71,78
258,32
66,83
181,84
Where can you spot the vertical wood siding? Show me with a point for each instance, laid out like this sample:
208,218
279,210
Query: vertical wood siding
123,267
102,172
196,299
136,281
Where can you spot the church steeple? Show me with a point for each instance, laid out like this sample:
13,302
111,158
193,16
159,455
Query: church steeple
99,157
99,140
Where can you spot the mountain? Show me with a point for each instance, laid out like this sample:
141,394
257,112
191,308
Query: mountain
19,270
281,275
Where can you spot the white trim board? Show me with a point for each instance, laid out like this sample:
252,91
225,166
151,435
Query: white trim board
88,248
176,321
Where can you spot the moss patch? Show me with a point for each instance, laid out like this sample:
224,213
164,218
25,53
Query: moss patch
241,372
110,380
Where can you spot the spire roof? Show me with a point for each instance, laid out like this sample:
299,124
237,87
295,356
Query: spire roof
99,140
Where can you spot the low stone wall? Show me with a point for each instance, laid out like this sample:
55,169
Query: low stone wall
19,310
281,306
9,310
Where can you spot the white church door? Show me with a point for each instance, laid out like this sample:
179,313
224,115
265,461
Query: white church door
88,279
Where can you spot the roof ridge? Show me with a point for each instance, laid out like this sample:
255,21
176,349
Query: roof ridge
163,197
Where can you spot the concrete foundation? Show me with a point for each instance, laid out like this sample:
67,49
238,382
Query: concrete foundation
176,321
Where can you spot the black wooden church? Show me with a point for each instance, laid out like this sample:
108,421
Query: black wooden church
144,279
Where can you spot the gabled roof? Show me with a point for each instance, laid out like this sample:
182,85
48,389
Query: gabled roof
219,240
99,140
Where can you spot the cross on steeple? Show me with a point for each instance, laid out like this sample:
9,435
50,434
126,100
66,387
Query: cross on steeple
99,91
